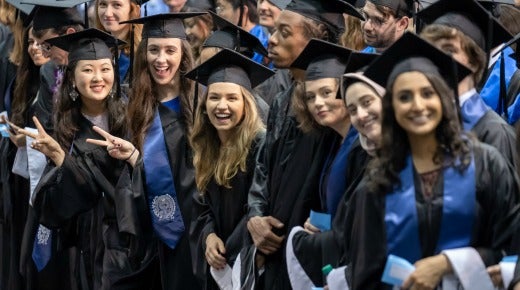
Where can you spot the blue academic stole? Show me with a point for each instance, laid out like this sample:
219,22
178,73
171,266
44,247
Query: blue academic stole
42,247
458,212
162,197
472,111
124,65
336,164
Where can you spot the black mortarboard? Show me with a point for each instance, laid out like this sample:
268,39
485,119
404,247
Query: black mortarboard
321,10
233,37
230,66
55,14
167,25
89,44
470,18
203,5
412,53
322,59
396,5
25,8
357,62
281,4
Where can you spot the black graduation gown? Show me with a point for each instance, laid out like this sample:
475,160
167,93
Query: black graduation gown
286,180
175,266
493,130
222,211
84,200
496,199
43,105
329,247
274,85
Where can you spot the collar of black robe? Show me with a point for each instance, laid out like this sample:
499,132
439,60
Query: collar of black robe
167,25
469,17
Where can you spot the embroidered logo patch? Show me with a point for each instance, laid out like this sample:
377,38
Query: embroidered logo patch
43,235
163,207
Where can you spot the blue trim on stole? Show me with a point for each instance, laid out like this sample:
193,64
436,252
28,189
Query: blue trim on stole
337,182
472,111
491,91
458,213
124,65
162,197
369,49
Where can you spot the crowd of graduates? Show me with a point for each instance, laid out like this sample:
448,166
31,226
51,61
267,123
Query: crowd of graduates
270,144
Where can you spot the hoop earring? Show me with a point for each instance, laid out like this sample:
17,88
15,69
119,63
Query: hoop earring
73,94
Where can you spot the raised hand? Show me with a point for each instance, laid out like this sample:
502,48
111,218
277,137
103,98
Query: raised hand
117,148
44,143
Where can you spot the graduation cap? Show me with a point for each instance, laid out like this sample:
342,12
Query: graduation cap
412,53
232,37
56,13
357,62
397,5
324,11
23,11
322,59
230,67
89,44
470,18
281,4
166,25
492,5
203,5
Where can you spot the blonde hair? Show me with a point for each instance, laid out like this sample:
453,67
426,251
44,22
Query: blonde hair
214,160
16,54
7,13
352,38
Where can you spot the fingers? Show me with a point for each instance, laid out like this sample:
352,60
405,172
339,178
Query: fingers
310,228
41,130
103,133
214,258
274,222
98,142
27,133
13,126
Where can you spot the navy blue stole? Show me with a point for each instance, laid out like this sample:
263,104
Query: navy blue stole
124,65
334,181
458,212
42,247
162,197
472,110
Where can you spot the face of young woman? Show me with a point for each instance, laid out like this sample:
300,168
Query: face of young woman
196,32
111,12
94,79
34,50
320,96
288,40
417,106
225,107
164,57
364,107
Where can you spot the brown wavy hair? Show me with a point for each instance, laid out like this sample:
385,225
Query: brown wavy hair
383,171
143,101
213,160
306,121
24,92
68,112
138,28
352,37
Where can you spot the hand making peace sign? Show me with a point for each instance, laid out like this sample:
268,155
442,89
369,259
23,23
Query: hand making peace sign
117,148
44,143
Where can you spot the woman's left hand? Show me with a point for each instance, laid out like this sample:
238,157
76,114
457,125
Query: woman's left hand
428,273
17,138
495,275
117,148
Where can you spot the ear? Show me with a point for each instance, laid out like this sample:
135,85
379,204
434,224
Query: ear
402,23
70,30
245,17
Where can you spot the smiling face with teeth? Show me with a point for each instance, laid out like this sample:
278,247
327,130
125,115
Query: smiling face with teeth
35,52
365,107
163,56
417,105
225,107
93,80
